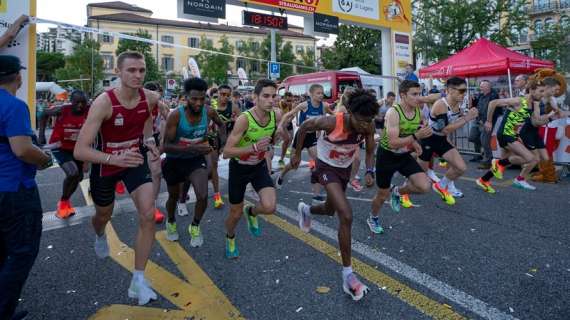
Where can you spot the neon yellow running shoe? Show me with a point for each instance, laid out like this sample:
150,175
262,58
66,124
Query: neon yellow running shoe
485,185
405,201
444,194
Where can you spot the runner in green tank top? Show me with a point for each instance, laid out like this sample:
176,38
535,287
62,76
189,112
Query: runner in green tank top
400,139
251,137
520,109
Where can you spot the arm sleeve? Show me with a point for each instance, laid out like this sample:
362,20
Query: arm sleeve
18,120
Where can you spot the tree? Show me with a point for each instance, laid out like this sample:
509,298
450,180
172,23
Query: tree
47,63
554,44
445,27
354,46
214,67
152,71
308,60
284,52
250,49
84,63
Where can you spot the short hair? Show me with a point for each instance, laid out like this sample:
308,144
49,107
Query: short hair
361,102
263,83
315,86
77,94
411,66
485,81
523,76
406,85
224,86
391,94
454,81
197,84
288,94
236,93
153,86
9,78
551,82
533,84
128,55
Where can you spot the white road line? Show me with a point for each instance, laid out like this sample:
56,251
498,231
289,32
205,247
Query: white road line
349,198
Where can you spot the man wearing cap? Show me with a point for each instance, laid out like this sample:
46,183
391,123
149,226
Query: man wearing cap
21,213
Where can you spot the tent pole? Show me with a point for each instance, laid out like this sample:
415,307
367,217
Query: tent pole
510,85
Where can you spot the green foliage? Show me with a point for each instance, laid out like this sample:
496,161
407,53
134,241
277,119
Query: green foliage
214,67
307,59
354,46
152,71
47,63
554,44
84,63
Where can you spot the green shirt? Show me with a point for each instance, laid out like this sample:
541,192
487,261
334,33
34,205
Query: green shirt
514,119
407,128
254,133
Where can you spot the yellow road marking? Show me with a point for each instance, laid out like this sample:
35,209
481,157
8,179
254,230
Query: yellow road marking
194,300
122,312
403,292
84,184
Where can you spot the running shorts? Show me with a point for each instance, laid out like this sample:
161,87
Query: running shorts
177,170
242,174
63,156
434,144
388,162
325,174
310,140
531,139
103,188
505,140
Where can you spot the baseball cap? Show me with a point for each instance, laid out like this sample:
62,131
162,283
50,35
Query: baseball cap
10,65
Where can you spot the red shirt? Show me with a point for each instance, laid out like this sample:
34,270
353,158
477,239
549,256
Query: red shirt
67,127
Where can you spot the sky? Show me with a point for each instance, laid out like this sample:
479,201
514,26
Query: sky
75,11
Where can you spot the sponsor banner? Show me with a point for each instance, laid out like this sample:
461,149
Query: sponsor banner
205,8
402,48
325,23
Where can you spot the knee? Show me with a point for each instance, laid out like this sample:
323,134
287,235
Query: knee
345,217
424,187
147,216
461,168
268,207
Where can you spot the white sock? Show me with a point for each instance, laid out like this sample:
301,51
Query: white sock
444,182
346,271
138,276
452,184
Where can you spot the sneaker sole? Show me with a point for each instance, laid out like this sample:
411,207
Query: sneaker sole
133,295
300,221
172,238
355,298
372,230
196,245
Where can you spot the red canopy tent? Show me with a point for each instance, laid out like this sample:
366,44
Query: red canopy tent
484,58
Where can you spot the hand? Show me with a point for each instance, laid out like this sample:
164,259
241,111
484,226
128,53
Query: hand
369,179
471,114
417,149
263,144
202,148
15,28
423,132
127,159
48,163
295,161
488,126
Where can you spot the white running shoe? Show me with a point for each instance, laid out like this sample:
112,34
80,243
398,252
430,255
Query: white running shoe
181,208
279,182
456,193
142,291
304,217
431,174
101,247
354,288
196,238
522,184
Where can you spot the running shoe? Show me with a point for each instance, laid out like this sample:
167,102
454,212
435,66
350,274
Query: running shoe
281,164
354,288
444,194
171,231
64,209
120,187
181,209
405,201
312,164
395,200
141,291
158,216
485,185
456,193
433,177
196,238
442,163
218,201
356,186
522,184
252,222
279,182
318,199
374,225
304,217
101,247
497,169
232,251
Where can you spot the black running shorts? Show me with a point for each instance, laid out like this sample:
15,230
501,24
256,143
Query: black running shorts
388,162
241,174
325,174
310,140
434,144
505,140
103,188
63,156
531,139
177,170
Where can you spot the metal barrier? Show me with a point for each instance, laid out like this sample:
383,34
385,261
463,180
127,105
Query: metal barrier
460,139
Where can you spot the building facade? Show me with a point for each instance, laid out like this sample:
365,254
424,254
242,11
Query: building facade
125,18
58,40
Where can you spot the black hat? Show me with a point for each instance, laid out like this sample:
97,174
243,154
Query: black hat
9,65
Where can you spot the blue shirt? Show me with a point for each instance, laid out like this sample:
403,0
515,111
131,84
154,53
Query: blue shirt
411,76
14,121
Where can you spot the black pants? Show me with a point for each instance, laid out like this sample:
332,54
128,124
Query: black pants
20,233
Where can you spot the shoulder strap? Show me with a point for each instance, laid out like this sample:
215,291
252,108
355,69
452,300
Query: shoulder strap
113,97
142,95
338,133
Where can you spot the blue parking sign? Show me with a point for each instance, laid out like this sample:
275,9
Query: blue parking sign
274,70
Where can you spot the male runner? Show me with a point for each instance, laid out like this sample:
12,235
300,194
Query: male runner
70,119
253,134
286,104
186,145
121,121
508,135
446,117
313,107
401,135
336,150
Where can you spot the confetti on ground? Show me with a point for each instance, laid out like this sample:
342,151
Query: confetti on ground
323,290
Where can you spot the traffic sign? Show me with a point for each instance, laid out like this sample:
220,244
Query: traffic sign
274,70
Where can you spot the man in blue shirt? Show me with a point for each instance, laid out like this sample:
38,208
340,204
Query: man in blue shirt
21,210
410,75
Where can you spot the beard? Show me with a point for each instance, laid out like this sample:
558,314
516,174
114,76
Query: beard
195,112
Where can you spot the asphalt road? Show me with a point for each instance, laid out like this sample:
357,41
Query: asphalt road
501,256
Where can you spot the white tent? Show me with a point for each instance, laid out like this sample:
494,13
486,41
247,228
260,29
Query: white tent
370,81
52,87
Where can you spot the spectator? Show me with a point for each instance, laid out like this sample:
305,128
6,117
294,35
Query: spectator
434,89
19,158
479,135
236,100
520,85
409,75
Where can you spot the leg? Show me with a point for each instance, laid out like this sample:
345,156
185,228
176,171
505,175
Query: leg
417,183
457,164
73,175
523,157
173,196
214,173
381,196
340,204
156,173
267,202
323,209
355,166
144,202
486,144
199,180
236,211
101,218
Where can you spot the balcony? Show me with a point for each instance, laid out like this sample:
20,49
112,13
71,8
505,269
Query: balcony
546,7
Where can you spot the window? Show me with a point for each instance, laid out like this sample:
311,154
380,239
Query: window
565,21
538,26
239,44
167,39
194,42
167,63
255,66
299,49
240,63
107,39
298,89
548,23
255,46
108,60
523,37
310,50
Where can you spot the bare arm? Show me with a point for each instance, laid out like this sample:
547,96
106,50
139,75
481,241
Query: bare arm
215,117
370,144
312,125
26,151
231,150
393,131
499,103
537,119
288,117
327,108
430,99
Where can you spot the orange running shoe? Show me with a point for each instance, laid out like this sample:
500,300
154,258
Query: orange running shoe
218,201
120,187
64,209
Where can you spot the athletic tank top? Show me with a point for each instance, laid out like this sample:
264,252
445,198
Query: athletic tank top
311,112
407,128
187,133
513,120
67,127
254,133
442,120
339,147
122,131
226,117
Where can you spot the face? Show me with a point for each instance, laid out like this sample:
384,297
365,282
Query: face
485,87
411,98
520,83
266,99
132,73
390,100
359,123
550,91
318,94
538,93
79,102
409,69
457,93
224,95
288,100
195,101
